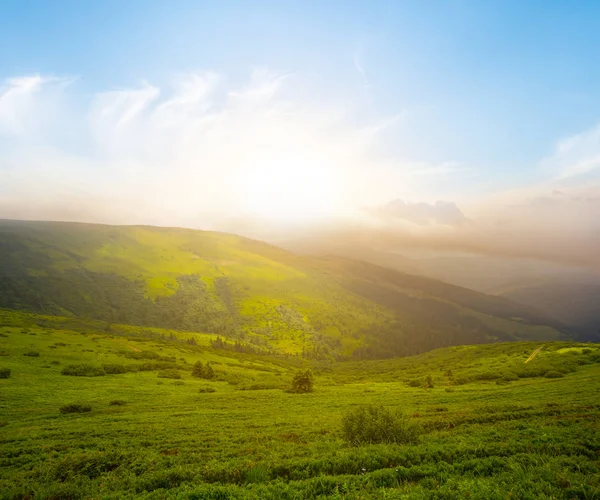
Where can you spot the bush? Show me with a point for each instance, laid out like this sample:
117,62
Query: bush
55,362
82,370
260,386
75,408
117,402
113,369
33,354
375,424
553,374
169,374
509,377
303,382
179,382
202,371
203,390
4,372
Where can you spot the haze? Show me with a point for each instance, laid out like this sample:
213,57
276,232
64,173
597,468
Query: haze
410,127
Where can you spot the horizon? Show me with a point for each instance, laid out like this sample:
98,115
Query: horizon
470,120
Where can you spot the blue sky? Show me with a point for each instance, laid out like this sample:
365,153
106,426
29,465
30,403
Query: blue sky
489,96
491,84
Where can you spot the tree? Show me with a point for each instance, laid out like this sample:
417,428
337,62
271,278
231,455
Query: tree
203,371
198,371
303,381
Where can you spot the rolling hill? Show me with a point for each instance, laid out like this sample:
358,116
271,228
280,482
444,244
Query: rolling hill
247,290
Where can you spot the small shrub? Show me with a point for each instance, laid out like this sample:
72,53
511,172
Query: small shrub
462,380
203,371
75,408
179,382
587,350
553,374
82,370
303,382
415,382
260,386
55,362
32,354
117,402
203,390
113,369
4,372
169,374
375,424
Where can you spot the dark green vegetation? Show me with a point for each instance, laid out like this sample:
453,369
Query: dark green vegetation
470,421
303,381
247,292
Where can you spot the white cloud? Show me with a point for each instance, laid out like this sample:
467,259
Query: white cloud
175,153
575,156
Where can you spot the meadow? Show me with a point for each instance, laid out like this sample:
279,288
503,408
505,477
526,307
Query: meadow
490,423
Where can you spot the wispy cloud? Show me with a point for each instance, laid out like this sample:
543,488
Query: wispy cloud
356,58
575,156
178,153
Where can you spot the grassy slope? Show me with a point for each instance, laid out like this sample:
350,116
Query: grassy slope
222,283
532,437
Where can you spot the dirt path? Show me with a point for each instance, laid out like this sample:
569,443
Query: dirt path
533,355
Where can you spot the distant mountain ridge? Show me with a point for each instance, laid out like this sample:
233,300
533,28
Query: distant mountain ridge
246,289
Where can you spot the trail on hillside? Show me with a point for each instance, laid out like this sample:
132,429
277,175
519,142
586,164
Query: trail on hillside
533,354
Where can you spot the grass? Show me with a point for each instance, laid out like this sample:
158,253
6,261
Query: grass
525,437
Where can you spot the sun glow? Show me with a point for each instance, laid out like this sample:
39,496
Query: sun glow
289,187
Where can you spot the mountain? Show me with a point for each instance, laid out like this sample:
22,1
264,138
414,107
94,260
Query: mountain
573,302
247,290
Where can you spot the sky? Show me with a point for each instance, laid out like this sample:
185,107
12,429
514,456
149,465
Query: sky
466,124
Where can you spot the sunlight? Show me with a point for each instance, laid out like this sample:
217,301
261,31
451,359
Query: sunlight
288,186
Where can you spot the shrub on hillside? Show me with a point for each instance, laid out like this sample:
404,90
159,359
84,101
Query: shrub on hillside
260,386
82,370
32,354
117,402
169,374
75,408
4,372
113,369
303,382
203,390
203,371
553,374
375,424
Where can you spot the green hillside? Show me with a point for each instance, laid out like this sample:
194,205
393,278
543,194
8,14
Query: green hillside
486,422
246,290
